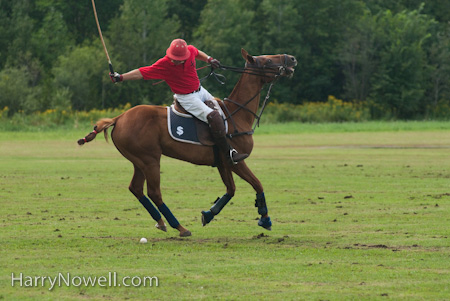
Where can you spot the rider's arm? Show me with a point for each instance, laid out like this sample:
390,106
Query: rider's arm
132,75
202,56
206,58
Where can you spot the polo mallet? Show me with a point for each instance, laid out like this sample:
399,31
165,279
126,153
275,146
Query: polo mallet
101,38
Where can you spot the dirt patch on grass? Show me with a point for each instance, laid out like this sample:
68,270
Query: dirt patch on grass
392,248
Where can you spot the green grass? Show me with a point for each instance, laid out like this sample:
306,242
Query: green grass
360,211
368,126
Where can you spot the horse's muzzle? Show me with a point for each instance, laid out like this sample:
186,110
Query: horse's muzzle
288,69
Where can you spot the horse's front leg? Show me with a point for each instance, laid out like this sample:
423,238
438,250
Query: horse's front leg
227,178
246,174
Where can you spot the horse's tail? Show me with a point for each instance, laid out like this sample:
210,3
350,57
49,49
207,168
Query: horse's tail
101,126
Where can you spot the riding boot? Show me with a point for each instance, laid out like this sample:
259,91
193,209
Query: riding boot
217,127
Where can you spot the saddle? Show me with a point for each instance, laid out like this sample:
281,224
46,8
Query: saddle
185,127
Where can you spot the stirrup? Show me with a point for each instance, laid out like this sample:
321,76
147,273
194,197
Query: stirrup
242,156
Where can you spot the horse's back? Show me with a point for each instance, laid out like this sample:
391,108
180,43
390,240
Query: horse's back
139,127
145,112
141,135
139,117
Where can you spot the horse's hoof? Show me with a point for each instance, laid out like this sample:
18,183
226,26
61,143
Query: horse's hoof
207,216
162,228
265,223
185,233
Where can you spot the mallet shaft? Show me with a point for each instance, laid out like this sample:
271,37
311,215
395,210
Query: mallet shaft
101,38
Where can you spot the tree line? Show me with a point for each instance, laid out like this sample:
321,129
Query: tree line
393,57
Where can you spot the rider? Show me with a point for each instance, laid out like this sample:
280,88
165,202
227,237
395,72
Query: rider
178,69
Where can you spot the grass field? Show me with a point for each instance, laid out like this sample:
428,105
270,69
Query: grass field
360,211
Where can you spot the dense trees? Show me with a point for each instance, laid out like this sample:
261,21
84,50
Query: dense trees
386,61
393,57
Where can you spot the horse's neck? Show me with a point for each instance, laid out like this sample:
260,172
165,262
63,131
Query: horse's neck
247,87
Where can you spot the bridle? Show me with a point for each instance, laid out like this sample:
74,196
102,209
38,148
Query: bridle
269,65
267,70
255,68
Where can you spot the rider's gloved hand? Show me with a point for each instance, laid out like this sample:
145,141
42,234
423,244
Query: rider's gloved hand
213,62
116,77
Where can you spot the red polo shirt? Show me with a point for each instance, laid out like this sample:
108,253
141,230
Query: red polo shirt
182,79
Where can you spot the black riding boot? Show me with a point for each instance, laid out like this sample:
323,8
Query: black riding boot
218,132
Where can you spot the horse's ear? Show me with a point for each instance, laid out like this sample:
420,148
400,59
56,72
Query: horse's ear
247,56
244,53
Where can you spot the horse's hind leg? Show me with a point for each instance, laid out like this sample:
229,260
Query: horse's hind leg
246,174
137,188
152,175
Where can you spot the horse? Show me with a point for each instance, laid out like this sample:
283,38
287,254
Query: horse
141,135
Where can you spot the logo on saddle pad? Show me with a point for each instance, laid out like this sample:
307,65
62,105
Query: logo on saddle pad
186,128
180,130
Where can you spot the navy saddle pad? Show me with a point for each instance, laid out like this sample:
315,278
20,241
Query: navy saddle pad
183,127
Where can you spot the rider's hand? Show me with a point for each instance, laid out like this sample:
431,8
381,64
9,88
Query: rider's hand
116,77
213,62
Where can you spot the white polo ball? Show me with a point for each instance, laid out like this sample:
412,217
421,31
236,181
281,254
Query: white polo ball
143,240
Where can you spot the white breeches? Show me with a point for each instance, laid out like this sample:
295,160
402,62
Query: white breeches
194,103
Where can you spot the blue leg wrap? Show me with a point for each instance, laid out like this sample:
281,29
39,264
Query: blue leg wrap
261,203
265,222
208,216
150,208
220,203
173,222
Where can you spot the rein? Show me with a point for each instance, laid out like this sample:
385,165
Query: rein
244,107
252,70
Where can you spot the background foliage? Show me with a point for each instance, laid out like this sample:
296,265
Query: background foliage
392,58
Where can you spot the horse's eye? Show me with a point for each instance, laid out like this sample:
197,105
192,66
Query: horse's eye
269,61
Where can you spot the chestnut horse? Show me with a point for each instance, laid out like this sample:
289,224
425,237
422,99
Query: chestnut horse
141,135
